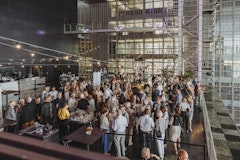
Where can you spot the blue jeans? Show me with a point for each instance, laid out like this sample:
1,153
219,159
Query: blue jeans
147,140
106,142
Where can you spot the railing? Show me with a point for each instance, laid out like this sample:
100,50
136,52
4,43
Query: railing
208,132
138,145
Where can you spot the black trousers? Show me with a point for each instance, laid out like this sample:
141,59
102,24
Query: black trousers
63,128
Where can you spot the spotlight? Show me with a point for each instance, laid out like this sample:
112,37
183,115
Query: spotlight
22,66
68,66
55,66
57,59
18,46
66,57
1,65
32,54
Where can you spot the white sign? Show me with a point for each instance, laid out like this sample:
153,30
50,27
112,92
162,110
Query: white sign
96,79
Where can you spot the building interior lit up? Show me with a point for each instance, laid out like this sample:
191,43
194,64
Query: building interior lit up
130,38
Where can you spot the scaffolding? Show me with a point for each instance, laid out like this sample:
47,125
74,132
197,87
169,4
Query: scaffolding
132,36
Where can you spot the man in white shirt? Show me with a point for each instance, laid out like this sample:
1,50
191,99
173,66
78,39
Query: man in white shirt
107,94
53,93
11,113
146,125
45,91
119,127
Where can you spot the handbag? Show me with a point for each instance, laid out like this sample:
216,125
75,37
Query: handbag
158,134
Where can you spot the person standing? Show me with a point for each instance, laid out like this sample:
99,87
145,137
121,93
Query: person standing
28,114
119,127
160,128
72,102
45,92
104,125
63,121
146,125
11,114
83,103
185,109
53,93
48,111
175,124
60,101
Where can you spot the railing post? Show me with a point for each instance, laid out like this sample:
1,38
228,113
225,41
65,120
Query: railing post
205,151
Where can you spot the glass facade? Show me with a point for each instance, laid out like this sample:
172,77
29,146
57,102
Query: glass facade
137,36
227,55
132,36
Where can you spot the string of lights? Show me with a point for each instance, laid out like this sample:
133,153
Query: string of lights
67,56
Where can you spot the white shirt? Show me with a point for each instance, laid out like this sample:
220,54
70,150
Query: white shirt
104,123
11,113
146,123
120,124
71,104
53,94
184,106
106,95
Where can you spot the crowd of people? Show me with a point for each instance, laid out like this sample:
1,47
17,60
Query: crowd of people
122,107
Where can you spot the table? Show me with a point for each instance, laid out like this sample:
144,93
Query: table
80,118
6,122
34,131
81,136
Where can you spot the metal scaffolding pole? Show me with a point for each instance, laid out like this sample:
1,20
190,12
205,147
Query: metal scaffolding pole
180,36
200,9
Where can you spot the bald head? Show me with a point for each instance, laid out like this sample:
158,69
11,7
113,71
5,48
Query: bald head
182,155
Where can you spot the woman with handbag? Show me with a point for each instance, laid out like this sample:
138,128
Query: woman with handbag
160,133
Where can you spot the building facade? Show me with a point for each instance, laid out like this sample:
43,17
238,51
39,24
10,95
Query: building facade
145,37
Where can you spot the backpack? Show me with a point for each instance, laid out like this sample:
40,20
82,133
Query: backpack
177,121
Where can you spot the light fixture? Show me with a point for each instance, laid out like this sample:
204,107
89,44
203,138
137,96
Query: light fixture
55,66
57,59
18,46
22,66
32,54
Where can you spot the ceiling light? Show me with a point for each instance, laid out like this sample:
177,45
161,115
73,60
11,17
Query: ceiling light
18,46
32,54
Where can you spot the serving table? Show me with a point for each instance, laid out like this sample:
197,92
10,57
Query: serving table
81,135
37,131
